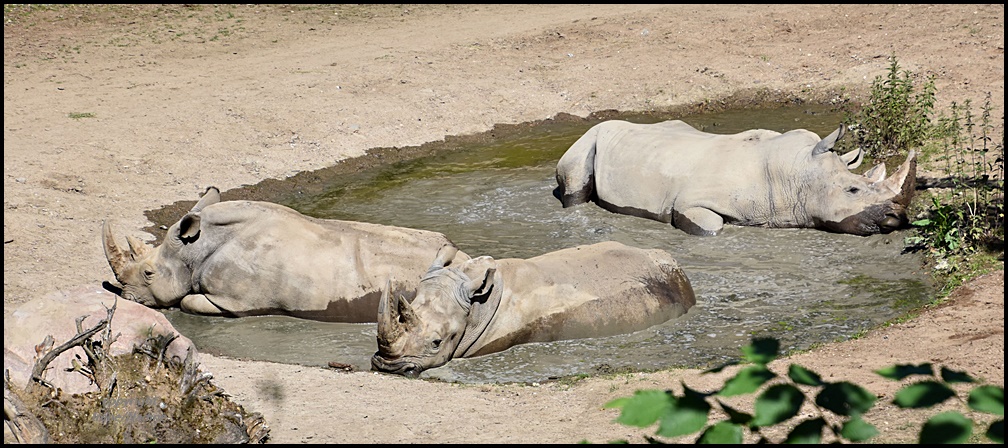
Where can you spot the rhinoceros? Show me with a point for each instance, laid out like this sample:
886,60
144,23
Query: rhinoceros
244,258
698,181
483,305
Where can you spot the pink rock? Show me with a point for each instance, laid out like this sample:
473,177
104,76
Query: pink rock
55,314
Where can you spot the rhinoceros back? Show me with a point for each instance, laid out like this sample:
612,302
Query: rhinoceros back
587,291
270,259
650,170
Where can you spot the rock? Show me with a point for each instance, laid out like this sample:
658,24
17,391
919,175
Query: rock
28,325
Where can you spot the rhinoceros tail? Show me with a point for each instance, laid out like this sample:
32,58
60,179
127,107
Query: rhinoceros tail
575,172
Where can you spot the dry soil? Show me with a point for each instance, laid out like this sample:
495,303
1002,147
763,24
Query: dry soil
110,111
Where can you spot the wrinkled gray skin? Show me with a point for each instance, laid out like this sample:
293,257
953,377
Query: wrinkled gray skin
482,305
243,258
674,173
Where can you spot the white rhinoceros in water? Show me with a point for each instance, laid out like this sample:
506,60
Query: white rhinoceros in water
672,172
243,258
482,305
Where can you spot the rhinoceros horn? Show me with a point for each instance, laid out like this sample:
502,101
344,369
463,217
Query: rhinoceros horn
388,318
876,173
137,246
903,183
389,326
409,318
117,259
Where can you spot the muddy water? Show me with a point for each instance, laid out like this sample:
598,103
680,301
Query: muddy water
496,198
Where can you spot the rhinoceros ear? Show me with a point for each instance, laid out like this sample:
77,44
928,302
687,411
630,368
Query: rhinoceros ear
853,158
189,227
483,309
826,144
480,271
444,256
482,286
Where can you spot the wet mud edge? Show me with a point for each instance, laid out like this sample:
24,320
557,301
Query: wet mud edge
308,183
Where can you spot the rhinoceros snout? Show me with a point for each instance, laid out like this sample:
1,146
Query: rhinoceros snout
412,372
404,368
890,222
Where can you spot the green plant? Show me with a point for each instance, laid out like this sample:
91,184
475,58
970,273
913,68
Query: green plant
968,217
897,117
960,228
842,403
940,231
948,426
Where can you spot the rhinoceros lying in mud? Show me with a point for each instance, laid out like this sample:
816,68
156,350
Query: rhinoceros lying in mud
483,305
242,258
671,172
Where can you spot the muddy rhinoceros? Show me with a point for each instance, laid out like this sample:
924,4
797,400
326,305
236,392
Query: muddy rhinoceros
482,305
243,258
672,172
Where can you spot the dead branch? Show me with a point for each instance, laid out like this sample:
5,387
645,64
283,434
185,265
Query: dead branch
192,379
165,341
93,359
257,428
45,346
22,423
111,384
81,338
104,345
156,346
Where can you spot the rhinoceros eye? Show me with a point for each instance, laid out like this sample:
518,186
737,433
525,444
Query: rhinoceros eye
853,190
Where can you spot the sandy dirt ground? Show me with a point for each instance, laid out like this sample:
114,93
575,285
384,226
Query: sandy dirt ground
110,111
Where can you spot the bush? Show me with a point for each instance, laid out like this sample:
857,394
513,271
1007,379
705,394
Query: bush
967,215
896,117
960,228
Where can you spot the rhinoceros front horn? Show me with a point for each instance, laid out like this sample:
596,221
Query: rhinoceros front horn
903,183
390,310
116,257
388,318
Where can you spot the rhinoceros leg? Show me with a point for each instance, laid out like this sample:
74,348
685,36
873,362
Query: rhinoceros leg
698,221
200,304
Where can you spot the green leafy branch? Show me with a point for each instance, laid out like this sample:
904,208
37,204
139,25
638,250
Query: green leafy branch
842,402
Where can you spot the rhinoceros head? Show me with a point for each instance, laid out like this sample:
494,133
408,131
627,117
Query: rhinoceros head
156,276
840,201
426,334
